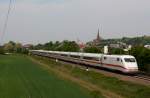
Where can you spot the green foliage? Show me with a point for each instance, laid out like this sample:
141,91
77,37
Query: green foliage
17,48
12,47
25,51
68,46
136,41
59,46
92,49
48,46
2,50
143,57
9,47
38,46
116,51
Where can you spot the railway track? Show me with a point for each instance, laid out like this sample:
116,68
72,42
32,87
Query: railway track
143,77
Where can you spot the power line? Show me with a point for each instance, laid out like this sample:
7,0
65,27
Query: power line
6,22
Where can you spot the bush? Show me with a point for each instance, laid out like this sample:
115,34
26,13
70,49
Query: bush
142,56
2,50
71,46
25,51
92,50
116,51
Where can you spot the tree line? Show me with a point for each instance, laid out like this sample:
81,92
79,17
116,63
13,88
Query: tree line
12,47
141,53
136,41
69,46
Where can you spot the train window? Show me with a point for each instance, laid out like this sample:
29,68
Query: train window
121,60
91,58
129,60
105,58
63,55
75,56
118,59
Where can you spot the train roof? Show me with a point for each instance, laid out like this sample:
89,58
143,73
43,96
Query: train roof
123,56
84,54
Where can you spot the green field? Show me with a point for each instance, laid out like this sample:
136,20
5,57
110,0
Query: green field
39,77
21,78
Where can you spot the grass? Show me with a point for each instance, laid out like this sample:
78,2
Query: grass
21,78
119,87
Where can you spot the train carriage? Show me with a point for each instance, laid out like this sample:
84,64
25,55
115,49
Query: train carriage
123,63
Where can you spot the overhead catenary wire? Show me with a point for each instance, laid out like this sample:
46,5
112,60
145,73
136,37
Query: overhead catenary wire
6,22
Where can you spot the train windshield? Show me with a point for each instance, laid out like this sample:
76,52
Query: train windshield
129,60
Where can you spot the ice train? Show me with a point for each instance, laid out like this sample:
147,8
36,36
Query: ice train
123,63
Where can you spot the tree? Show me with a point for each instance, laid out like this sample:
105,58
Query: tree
38,46
92,49
48,46
142,56
66,45
116,51
1,50
9,47
18,48
25,51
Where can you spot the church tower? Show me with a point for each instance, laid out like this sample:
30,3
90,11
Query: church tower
98,39
98,36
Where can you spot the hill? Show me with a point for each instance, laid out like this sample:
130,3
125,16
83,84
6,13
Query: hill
143,40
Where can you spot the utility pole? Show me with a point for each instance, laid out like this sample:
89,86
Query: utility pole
6,22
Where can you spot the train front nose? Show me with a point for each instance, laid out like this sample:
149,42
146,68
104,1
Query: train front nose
131,68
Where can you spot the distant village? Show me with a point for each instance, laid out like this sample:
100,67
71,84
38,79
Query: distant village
124,43
120,43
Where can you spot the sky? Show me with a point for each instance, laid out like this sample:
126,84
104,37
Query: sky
40,21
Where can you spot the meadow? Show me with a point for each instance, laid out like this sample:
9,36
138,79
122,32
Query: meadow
22,78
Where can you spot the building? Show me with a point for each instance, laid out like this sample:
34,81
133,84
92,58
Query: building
119,45
28,46
114,45
96,41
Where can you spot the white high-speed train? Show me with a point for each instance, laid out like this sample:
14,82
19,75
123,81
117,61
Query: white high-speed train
123,63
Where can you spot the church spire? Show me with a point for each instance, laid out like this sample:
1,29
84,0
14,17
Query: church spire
98,36
97,41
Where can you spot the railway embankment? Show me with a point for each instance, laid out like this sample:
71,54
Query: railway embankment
96,82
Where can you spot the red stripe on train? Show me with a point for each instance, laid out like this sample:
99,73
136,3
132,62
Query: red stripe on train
113,65
98,62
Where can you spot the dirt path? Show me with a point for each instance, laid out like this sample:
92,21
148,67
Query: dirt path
85,84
